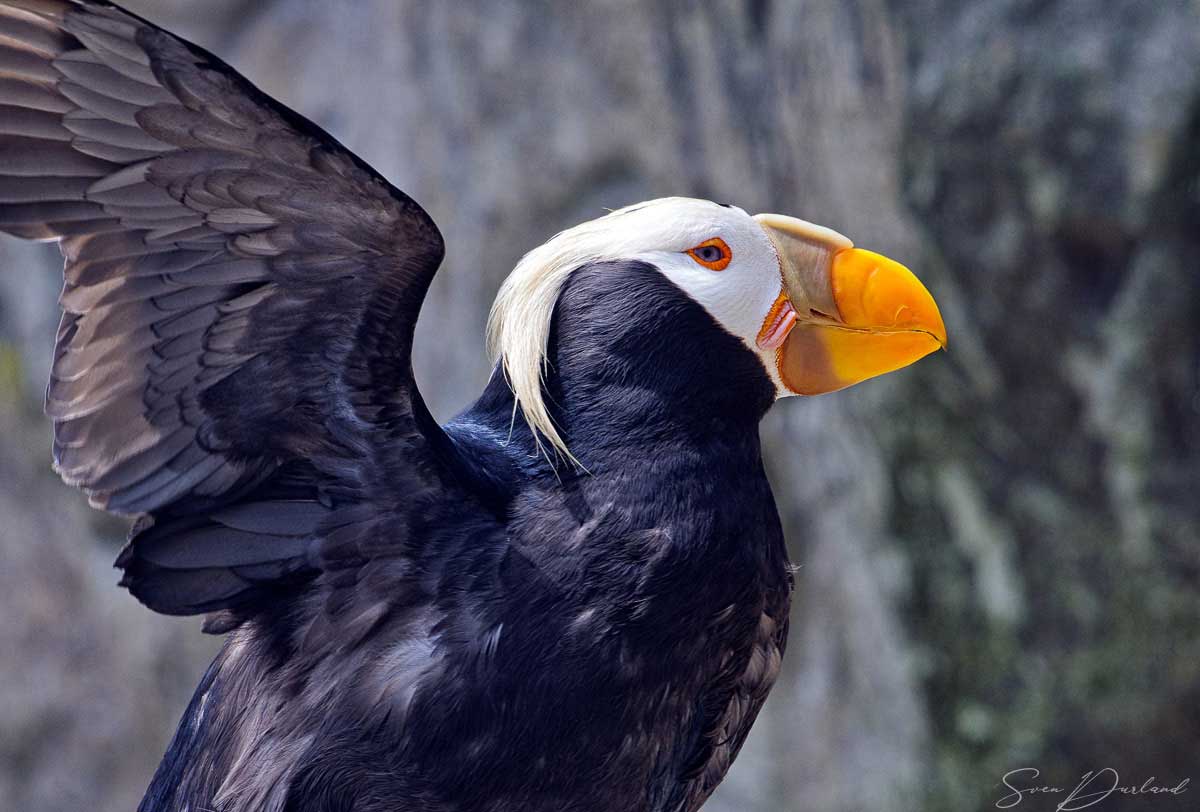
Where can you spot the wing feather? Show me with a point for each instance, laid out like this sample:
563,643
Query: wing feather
240,290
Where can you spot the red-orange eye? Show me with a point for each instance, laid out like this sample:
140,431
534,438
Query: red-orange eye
713,254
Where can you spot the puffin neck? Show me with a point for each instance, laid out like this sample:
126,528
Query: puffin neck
636,366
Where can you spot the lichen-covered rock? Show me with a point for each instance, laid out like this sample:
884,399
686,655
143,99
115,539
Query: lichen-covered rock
1052,155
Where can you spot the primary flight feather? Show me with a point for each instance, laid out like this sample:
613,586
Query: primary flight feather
573,596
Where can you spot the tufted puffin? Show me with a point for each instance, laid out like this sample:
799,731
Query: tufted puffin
572,596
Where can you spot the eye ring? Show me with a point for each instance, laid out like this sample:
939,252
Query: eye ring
713,254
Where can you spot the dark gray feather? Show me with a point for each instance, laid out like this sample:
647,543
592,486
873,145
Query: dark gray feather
33,95
32,123
37,190
27,64
21,156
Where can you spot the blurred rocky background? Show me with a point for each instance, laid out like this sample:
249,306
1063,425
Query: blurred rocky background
999,548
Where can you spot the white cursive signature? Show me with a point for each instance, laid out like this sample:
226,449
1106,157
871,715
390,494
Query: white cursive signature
1094,787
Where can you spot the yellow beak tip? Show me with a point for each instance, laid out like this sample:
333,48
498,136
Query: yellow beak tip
888,320
858,314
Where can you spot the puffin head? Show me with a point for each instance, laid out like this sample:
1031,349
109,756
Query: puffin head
817,313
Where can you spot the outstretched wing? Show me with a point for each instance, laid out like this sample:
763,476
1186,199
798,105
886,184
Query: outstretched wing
241,290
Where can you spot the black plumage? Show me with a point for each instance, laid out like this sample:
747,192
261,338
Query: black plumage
419,617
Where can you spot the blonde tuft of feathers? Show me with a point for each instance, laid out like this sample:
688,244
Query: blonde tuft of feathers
656,231
519,323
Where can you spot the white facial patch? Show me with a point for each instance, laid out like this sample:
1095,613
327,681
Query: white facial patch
740,296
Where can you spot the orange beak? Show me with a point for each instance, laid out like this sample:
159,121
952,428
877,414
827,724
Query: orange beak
845,314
